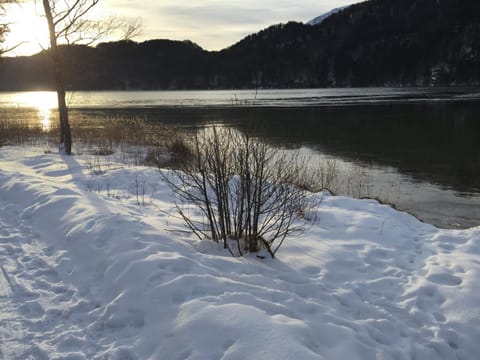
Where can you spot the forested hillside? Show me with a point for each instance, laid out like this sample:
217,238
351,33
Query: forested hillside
374,43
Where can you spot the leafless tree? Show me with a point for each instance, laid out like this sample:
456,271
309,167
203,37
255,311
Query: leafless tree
130,28
248,194
3,24
68,23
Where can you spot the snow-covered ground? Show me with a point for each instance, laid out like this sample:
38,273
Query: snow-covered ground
89,273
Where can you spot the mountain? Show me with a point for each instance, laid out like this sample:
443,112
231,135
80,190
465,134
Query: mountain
319,19
373,43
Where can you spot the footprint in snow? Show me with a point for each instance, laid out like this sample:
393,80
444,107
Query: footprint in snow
445,239
439,317
32,309
447,248
445,279
49,251
312,270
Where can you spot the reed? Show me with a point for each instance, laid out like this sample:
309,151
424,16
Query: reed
134,139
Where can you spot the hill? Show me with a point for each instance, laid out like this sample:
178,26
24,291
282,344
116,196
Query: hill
374,43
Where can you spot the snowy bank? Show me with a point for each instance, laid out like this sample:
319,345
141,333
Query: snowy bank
90,270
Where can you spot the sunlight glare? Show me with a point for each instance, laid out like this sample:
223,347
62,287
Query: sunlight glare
45,120
28,29
43,101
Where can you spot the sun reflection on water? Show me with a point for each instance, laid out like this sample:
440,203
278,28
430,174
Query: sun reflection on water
45,119
43,101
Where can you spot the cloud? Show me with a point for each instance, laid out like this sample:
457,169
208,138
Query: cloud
215,24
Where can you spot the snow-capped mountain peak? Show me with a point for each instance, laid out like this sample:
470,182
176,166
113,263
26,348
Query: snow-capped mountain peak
321,18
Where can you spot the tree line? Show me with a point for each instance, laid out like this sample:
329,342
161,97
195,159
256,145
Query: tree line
374,43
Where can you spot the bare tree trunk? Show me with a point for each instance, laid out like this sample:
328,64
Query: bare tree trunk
65,133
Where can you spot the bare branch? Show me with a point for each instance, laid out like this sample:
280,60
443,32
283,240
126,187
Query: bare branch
61,16
72,19
131,28
4,26
244,191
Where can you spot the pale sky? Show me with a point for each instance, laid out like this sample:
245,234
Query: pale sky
212,24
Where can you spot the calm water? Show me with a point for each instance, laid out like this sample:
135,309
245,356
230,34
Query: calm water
418,148
230,98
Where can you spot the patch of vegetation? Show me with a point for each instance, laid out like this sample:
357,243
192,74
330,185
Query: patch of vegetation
238,190
136,140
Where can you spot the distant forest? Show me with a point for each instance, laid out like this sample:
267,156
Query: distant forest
374,43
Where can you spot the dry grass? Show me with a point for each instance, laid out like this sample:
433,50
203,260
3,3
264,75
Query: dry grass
136,140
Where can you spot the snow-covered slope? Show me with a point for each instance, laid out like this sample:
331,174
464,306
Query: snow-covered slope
87,273
321,18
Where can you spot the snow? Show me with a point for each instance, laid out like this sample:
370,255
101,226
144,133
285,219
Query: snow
88,271
319,19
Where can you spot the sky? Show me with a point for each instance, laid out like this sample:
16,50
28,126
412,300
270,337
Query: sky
212,24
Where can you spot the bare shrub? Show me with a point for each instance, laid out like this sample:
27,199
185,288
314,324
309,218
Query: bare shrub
140,189
179,148
327,174
104,148
354,182
155,155
245,192
174,151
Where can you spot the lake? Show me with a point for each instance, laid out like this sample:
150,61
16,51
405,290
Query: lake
418,148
